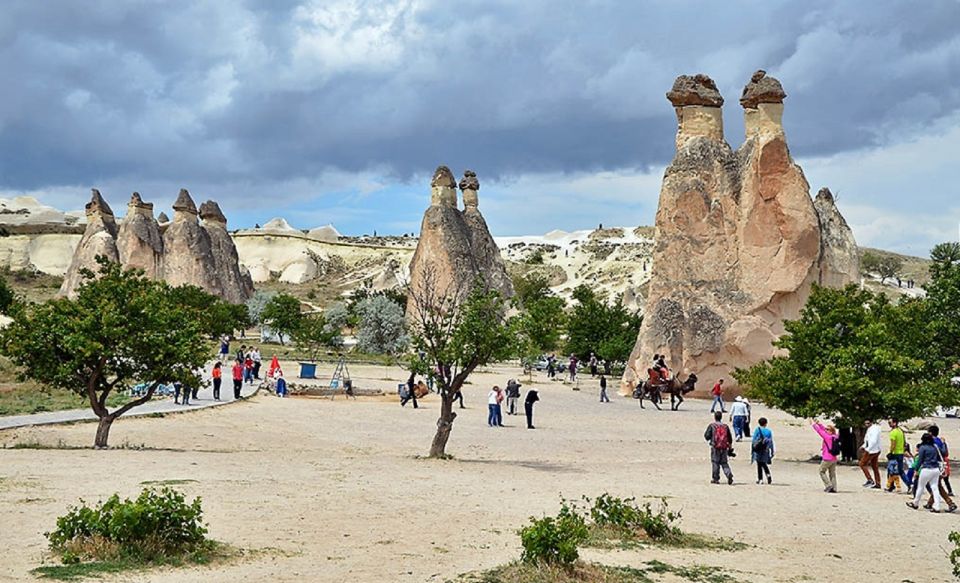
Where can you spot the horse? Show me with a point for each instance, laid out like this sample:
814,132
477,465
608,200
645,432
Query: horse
677,390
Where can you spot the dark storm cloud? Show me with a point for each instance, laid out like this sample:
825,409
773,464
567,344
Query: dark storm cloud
279,91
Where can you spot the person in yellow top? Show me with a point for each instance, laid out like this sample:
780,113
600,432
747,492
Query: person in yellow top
897,446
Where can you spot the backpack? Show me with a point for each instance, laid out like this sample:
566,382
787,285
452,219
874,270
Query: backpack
835,446
760,445
721,437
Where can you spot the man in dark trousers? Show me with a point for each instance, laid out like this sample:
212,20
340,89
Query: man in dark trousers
719,438
532,397
237,378
411,393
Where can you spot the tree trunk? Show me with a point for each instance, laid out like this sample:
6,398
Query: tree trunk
444,425
103,432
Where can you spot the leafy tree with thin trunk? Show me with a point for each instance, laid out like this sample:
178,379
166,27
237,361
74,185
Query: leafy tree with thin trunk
456,329
120,330
382,329
7,297
282,314
607,329
314,333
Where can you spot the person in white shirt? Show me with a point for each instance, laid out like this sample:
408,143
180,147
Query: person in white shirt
870,455
738,415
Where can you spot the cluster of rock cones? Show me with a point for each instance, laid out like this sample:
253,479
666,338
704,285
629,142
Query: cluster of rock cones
183,251
455,247
739,240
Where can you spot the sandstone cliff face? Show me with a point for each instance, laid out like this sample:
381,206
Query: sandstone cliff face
738,239
236,286
187,249
139,242
99,238
455,247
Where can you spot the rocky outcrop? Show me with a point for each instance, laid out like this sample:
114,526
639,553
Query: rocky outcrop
99,239
839,254
188,252
486,254
139,242
455,247
739,241
236,286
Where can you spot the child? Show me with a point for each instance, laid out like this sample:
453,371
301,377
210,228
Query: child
893,473
911,468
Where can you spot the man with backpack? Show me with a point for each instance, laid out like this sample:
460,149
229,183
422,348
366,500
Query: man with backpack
719,437
829,451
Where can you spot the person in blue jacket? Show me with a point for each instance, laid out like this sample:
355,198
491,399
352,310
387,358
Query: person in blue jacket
762,449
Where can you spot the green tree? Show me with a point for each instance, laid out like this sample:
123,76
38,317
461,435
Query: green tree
941,322
540,320
256,304
852,356
121,329
282,314
314,333
457,330
885,265
215,316
608,330
7,297
382,329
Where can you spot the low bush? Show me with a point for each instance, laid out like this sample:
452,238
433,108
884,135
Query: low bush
157,525
954,537
624,515
554,540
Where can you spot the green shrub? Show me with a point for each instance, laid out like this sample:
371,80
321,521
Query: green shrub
554,540
157,524
954,537
624,515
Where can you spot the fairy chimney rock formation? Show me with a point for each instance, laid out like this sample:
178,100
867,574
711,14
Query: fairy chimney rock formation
139,242
455,247
188,252
839,254
99,239
697,102
486,254
762,102
237,286
738,242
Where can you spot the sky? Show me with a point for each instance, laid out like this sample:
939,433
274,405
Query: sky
338,111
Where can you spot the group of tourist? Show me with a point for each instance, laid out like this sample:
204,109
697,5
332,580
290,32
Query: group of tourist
926,472
511,395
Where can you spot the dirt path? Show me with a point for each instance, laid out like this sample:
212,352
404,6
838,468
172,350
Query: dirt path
332,490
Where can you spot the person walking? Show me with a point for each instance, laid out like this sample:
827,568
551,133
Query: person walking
572,368
718,436
411,392
513,395
532,397
829,451
237,378
499,409
717,393
870,456
603,390
551,367
248,368
738,415
762,450
897,446
458,396
217,374
941,446
257,362
593,365
224,347
928,460
492,406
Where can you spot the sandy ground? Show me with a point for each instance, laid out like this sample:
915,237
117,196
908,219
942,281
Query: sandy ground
332,490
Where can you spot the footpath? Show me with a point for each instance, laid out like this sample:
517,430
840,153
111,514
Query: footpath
204,400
